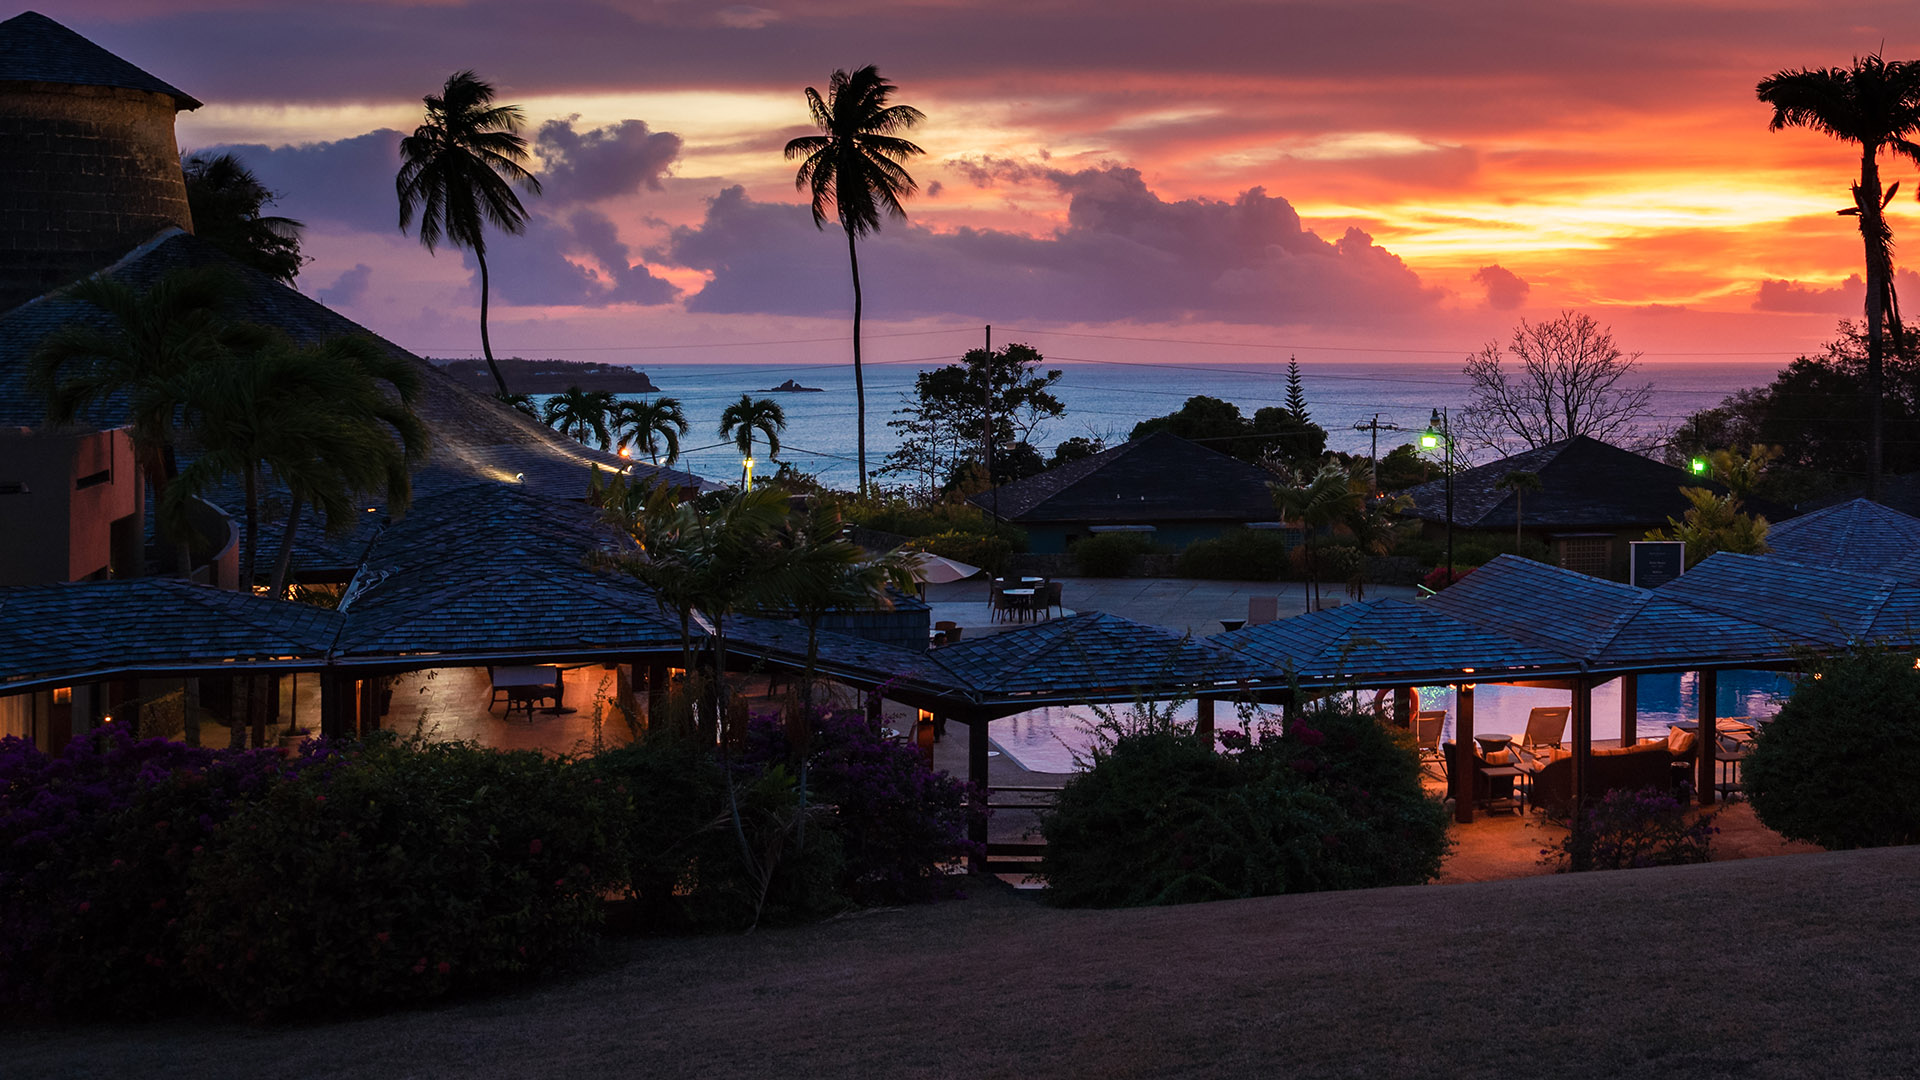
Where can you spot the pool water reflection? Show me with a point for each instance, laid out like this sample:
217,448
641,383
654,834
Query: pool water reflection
1045,740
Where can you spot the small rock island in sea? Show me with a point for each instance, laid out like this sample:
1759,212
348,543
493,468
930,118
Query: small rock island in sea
791,387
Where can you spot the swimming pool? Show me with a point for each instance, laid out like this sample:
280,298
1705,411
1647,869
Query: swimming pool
1046,740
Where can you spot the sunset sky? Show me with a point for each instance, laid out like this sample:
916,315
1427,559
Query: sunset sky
1353,180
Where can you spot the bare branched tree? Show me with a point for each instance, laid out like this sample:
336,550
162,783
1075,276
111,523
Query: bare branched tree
1567,378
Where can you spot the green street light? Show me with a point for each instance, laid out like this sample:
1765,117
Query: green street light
1699,466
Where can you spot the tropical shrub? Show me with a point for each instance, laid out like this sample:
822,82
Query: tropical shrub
899,822
1161,817
401,871
1110,555
1631,829
1237,555
904,518
1839,766
95,849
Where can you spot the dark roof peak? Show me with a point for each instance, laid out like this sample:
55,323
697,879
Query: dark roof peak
1156,477
34,48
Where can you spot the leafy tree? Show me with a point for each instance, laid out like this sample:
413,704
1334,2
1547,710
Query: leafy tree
1403,467
945,425
1715,523
1875,105
580,413
141,355
1743,473
1335,495
1275,434
1519,481
1282,436
1805,775
855,166
1811,410
654,424
227,202
1569,378
1076,448
740,420
458,171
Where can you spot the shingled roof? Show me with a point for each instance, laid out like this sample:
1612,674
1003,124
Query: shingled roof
93,629
474,438
1585,484
488,571
1390,636
1857,534
1092,654
35,49
1158,477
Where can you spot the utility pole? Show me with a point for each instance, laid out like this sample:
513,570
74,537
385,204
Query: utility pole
986,422
1376,427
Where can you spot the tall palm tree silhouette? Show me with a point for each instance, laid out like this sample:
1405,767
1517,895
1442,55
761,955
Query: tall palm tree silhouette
855,166
1876,105
744,417
458,171
653,424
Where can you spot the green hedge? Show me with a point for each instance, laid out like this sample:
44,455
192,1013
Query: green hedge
1110,555
1238,555
1161,817
987,552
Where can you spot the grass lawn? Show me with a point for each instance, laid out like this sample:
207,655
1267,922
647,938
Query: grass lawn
1803,965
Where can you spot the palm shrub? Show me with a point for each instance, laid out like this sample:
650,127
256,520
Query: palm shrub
1161,817
402,871
1837,765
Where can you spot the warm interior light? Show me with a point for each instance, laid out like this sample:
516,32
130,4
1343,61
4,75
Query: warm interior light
62,695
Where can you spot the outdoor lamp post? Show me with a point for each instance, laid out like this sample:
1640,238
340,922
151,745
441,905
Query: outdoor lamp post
1439,436
746,463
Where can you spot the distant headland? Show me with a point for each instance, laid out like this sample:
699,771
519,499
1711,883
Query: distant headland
550,376
791,387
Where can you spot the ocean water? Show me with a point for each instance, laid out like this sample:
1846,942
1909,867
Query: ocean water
1107,400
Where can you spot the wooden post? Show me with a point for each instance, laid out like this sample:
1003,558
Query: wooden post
1629,709
1582,742
923,735
977,777
656,692
1403,707
336,705
1707,740
1203,726
1466,762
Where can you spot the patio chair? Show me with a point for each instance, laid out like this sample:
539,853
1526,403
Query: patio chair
1054,591
1427,725
499,692
1262,609
1546,725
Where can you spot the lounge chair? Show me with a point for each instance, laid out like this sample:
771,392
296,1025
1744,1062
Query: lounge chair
1427,725
1545,726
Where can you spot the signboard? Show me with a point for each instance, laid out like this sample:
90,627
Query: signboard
1653,563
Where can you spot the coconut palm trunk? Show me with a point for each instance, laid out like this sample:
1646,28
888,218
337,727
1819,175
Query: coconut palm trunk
859,377
486,343
1873,236
277,587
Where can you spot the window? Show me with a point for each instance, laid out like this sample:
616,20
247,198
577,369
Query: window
1587,554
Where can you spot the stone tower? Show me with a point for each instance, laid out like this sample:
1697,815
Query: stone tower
88,164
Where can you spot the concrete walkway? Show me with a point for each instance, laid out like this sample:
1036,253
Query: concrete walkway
1184,605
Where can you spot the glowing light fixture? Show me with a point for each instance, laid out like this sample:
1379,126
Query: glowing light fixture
1698,466
747,464
626,451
